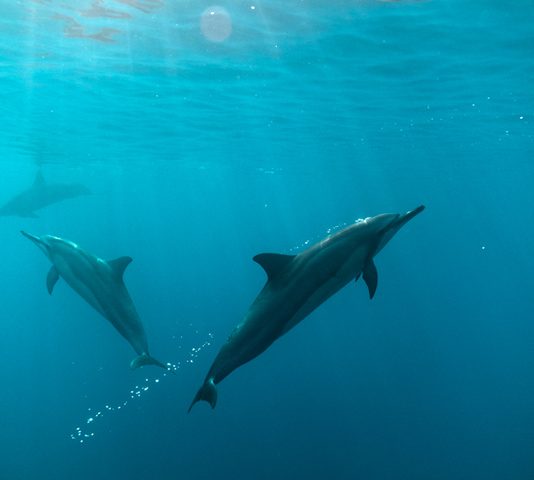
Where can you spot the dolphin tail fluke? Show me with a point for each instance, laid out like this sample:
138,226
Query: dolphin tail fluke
207,392
146,359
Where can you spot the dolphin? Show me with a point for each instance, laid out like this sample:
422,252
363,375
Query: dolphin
296,285
40,195
100,284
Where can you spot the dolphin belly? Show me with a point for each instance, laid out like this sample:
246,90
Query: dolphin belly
317,298
246,342
124,317
111,301
75,280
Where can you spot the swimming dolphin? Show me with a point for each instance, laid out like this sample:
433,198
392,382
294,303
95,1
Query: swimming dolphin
39,195
297,285
99,283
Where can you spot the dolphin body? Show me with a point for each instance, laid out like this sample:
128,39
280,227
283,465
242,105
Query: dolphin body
40,195
99,283
297,285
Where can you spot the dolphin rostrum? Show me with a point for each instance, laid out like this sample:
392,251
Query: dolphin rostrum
40,195
99,283
296,285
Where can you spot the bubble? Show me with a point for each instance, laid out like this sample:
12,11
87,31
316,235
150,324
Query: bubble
216,24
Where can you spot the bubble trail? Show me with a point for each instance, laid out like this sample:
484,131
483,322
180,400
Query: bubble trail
85,432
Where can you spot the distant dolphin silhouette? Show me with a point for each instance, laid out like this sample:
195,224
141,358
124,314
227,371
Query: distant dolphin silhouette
100,284
39,195
297,285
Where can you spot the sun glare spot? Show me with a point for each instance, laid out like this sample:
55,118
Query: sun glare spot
216,24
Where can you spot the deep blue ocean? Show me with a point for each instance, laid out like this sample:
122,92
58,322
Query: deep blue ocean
208,133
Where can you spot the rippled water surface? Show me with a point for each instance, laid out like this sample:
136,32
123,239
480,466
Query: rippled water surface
141,80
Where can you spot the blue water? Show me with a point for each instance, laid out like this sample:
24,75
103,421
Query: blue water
208,141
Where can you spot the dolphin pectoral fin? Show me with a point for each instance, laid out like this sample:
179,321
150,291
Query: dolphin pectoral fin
273,263
146,359
119,265
207,392
370,276
51,279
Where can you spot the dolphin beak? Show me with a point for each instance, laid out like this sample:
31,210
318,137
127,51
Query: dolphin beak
402,220
409,215
396,224
34,239
399,220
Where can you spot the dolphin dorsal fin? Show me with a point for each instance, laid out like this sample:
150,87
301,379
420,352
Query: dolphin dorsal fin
273,263
119,265
39,180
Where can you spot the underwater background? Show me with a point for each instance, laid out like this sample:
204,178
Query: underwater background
209,133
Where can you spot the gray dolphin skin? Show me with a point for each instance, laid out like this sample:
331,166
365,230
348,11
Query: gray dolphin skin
40,195
297,285
99,283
